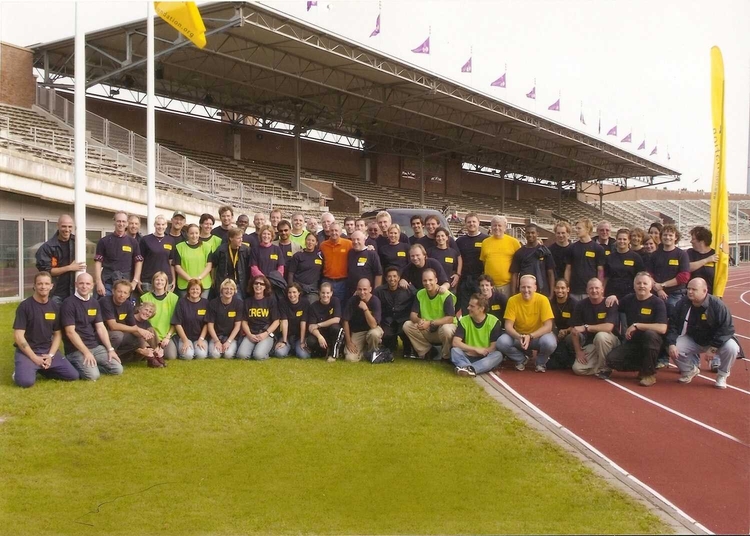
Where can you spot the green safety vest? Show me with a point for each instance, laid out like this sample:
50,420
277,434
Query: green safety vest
164,311
478,337
432,309
193,261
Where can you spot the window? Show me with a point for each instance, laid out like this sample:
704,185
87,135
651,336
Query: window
33,237
9,272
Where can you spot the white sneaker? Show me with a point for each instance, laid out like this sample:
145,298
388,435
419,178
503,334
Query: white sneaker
721,381
687,377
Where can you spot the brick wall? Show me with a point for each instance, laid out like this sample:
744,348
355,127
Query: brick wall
17,82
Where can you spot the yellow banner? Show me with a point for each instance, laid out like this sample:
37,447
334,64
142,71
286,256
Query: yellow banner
719,194
185,18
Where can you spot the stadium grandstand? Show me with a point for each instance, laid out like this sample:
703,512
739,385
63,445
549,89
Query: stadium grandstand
278,113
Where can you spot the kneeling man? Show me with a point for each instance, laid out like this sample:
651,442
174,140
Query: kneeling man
702,326
37,336
528,326
84,333
432,319
594,324
361,322
646,318
474,349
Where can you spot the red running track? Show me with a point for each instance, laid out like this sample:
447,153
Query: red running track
702,465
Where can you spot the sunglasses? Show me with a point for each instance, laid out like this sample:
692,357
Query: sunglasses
258,283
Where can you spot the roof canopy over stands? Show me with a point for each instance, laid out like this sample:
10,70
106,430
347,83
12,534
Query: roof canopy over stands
263,64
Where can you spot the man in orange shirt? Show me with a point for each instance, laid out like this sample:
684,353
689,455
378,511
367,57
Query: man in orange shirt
335,252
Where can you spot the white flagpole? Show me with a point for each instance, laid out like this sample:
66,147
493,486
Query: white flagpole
79,136
150,122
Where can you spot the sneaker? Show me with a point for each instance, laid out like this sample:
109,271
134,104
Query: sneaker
466,372
331,359
715,363
604,374
338,346
687,377
540,368
411,355
721,381
661,364
648,381
522,365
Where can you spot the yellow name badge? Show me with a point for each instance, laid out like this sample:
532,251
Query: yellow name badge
674,262
330,311
495,307
709,265
289,253
49,316
477,244
168,246
362,260
645,311
566,314
628,262
273,256
299,313
601,316
232,314
201,312
127,248
449,259
703,316
92,312
590,254
318,261
606,252
122,316
400,254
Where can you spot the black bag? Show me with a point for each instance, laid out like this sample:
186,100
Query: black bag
379,355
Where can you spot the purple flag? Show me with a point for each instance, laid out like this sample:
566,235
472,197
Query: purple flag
532,94
669,157
642,145
500,82
583,122
467,67
376,31
424,48
654,151
555,106
612,131
311,3
627,139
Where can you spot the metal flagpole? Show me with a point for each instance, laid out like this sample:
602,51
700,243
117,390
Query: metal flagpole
79,136
150,122
737,234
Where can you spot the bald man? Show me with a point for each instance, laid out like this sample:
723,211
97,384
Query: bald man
701,326
58,257
361,322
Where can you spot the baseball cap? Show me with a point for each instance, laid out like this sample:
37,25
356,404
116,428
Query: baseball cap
178,213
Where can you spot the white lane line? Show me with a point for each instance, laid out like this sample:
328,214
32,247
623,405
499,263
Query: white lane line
677,413
741,336
591,448
742,297
740,318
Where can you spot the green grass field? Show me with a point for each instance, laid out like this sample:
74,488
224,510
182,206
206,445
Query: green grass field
286,447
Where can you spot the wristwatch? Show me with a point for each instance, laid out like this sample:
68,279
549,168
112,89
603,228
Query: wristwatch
586,328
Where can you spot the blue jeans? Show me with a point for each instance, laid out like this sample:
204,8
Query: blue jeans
339,290
689,354
296,343
259,350
481,365
544,346
103,364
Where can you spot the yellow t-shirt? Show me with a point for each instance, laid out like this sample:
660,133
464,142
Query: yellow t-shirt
528,316
497,254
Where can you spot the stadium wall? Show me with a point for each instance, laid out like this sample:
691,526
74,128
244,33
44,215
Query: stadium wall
217,137
590,194
17,83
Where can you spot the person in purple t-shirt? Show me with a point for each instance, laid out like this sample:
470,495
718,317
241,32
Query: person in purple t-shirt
116,255
37,336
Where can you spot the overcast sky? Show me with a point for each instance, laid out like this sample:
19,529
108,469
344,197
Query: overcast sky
644,64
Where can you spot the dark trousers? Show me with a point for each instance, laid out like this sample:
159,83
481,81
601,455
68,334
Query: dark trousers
639,353
468,285
330,333
391,333
25,371
563,356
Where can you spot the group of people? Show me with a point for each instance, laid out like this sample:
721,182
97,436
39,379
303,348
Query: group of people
346,291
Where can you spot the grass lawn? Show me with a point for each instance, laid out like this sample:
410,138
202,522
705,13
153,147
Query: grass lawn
286,446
